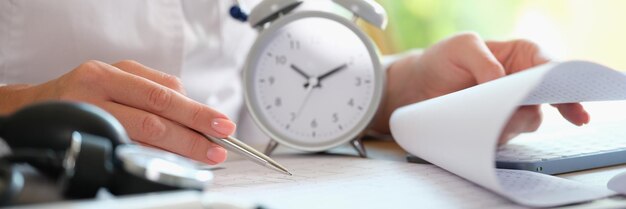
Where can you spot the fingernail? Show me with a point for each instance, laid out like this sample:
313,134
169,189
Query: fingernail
216,154
223,126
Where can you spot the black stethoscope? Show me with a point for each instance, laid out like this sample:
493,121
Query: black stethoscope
237,12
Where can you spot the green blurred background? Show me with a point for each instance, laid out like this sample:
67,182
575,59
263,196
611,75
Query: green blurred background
565,29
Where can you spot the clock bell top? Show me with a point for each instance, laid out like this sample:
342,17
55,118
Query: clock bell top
368,10
269,10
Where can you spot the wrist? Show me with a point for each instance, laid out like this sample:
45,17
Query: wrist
400,90
13,97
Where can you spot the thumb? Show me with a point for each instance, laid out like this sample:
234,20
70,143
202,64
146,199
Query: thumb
517,54
476,58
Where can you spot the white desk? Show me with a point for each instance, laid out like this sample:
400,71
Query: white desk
387,150
378,149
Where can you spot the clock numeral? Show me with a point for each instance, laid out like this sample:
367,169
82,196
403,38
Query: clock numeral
358,81
335,117
281,60
340,127
292,115
351,102
287,126
268,107
294,45
278,102
314,123
271,80
313,134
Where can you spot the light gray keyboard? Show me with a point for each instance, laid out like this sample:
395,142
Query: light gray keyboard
566,151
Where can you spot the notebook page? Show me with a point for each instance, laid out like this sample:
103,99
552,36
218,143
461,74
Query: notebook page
574,82
540,190
467,124
350,182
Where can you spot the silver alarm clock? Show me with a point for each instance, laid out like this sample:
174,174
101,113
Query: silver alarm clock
313,80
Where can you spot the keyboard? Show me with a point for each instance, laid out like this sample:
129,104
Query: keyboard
556,152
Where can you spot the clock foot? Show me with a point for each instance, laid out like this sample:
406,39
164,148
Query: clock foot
271,146
357,144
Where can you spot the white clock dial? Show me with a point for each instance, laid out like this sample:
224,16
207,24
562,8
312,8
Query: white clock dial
313,82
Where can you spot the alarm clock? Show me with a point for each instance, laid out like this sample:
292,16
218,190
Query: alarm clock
313,80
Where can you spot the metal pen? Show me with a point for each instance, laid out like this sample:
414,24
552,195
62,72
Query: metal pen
232,144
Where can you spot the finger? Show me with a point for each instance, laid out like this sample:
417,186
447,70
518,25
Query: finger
517,55
150,129
156,76
141,93
477,58
575,113
525,119
155,147
146,145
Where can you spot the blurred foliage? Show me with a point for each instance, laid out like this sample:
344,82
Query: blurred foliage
565,29
420,23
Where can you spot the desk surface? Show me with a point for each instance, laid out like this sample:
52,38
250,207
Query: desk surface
377,149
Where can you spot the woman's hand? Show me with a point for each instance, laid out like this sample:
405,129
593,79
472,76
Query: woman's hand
150,104
463,61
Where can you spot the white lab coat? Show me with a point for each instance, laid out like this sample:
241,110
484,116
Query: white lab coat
196,40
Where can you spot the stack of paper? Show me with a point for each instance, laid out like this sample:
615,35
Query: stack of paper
459,131
351,182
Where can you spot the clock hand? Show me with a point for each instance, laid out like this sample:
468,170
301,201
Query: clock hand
309,89
302,73
333,71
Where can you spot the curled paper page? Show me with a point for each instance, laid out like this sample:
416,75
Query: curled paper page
459,131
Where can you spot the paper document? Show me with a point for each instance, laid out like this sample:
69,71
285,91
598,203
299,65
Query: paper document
459,131
352,182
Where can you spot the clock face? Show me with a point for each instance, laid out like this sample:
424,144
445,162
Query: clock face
313,82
